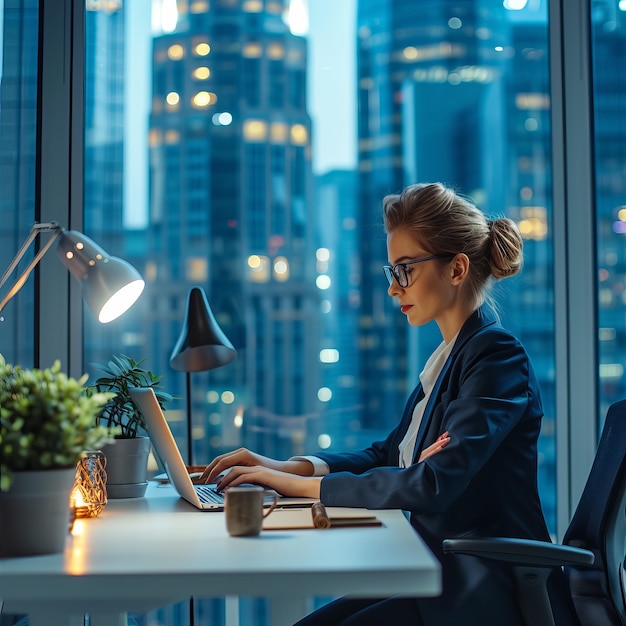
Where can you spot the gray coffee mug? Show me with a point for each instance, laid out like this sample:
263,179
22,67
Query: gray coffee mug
244,510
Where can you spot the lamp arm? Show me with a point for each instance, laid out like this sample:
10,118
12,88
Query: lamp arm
35,230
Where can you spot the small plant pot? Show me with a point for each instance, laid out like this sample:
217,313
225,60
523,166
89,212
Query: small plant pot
127,467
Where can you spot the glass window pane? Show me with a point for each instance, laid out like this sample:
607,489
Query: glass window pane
456,92
609,98
200,172
18,126
231,150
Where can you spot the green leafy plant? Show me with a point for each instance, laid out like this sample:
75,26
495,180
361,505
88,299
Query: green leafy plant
46,420
121,374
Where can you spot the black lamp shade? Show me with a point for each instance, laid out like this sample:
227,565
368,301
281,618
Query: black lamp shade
202,344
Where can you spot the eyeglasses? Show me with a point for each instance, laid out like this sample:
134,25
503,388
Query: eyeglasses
400,273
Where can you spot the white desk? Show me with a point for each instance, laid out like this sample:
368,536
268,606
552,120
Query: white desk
146,553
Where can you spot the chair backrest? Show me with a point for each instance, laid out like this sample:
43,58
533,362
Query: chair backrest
599,524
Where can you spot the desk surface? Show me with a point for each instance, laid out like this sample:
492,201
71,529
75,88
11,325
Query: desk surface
149,552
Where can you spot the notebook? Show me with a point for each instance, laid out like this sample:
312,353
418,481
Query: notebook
320,516
203,497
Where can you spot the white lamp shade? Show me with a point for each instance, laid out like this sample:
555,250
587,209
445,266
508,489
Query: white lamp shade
110,285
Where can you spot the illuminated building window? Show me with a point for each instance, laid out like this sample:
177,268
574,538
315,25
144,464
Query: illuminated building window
276,51
534,223
278,132
202,49
254,130
258,268
176,52
222,119
252,50
274,7
197,269
611,370
172,136
203,99
299,135
155,137
533,101
324,394
252,6
323,281
294,55
410,53
322,256
199,6
329,355
607,334
107,6
172,99
201,73
324,441
281,269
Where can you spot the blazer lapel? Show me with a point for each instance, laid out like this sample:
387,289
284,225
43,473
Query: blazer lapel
428,410
479,319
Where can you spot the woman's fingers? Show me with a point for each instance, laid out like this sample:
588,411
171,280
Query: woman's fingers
222,463
440,443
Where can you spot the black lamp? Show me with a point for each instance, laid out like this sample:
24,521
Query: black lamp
202,346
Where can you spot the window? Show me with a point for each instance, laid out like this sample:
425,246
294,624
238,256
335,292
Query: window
455,91
437,92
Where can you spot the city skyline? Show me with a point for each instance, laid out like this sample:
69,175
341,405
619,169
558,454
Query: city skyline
331,92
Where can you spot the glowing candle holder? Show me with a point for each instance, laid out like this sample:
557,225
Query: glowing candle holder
89,494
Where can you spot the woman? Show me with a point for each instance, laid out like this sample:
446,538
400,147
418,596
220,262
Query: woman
478,386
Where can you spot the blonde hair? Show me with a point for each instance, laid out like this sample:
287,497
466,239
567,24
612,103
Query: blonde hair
444,222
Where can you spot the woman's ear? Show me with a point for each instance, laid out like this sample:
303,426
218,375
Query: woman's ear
459,268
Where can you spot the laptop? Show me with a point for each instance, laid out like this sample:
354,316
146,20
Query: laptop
203,497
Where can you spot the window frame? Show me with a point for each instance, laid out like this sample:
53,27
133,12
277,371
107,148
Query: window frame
575,288
59,193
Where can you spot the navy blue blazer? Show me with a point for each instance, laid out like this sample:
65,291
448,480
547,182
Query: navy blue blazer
483,483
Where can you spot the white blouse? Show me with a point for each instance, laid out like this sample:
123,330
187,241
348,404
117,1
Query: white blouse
428,378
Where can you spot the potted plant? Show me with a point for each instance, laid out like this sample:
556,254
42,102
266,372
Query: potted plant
46,422
127,455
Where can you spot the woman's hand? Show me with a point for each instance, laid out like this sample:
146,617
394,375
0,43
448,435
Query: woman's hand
440,443
244,457
286,484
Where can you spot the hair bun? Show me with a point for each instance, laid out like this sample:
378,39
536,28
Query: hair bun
506,247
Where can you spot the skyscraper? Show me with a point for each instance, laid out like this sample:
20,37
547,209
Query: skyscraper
230,203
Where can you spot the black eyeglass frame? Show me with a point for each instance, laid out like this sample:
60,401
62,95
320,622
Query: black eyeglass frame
402,279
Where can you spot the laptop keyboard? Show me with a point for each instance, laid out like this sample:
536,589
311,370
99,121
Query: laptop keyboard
209,495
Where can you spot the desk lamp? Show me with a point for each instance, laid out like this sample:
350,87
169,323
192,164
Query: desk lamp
202,346
110,285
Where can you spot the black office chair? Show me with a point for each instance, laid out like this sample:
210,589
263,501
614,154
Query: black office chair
592,553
